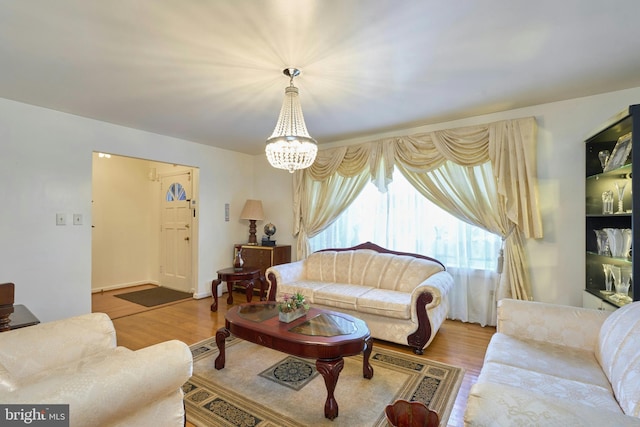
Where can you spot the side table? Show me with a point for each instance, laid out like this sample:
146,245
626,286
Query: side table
21,317
245,278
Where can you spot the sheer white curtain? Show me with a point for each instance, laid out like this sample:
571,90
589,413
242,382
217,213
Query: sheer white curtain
402,219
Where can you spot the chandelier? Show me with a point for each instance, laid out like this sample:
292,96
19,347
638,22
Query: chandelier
290,147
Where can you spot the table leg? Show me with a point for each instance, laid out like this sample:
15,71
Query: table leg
230,291
214,292
248,286
367,369
263,288
330,370
221,336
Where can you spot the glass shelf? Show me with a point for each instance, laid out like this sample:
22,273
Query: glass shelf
610,298
623,172
605,258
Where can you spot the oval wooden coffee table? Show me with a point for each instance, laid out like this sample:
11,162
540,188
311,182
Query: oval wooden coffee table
324,335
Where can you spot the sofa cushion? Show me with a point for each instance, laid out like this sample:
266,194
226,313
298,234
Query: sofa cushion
339,295
618,352
7,383
551,359
494,405
306,288
415,272
385,303
549,370
374,275
543,384
319,267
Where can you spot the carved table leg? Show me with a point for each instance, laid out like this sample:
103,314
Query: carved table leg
229,290
263,288
248,286
214,292
330,370
367,369
221,336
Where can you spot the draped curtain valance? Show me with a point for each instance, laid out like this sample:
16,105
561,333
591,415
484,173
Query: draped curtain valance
491,165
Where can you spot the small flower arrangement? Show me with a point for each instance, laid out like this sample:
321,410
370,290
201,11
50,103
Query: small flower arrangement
293,302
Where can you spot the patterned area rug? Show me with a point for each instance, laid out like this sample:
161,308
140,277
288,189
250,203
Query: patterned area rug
265,388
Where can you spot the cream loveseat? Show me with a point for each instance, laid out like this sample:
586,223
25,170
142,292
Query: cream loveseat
402,297
552,365
76,361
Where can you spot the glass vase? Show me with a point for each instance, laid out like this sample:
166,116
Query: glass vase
607,279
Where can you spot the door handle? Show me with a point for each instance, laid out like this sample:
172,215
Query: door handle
186,238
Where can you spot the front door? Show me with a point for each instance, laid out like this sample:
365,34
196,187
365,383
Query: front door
175,232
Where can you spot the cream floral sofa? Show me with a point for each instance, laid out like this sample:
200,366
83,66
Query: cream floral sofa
552,365
76,361
402,297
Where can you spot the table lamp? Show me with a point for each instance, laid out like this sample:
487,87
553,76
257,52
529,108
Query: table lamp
253,212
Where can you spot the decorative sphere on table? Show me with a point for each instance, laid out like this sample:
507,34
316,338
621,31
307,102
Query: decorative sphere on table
269,230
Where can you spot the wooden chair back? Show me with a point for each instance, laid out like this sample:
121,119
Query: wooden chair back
403,413
7,298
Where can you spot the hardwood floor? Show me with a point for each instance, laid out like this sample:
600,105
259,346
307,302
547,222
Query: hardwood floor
457,343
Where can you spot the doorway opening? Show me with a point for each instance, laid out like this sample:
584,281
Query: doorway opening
144,224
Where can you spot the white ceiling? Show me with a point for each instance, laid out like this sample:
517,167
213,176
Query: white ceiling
210,71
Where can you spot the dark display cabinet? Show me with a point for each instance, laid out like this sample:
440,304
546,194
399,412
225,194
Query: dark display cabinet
617,137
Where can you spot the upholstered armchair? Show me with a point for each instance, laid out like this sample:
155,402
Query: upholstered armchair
76,361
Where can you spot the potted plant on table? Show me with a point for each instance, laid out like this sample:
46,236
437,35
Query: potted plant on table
292,307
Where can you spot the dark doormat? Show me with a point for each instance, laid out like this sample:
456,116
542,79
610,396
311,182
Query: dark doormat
154,296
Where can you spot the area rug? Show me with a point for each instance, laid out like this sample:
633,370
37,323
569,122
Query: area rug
265,388
154,296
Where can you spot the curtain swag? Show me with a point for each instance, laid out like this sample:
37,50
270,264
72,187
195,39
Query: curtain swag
483,174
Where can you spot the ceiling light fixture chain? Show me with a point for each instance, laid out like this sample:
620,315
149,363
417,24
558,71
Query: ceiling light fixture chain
290,146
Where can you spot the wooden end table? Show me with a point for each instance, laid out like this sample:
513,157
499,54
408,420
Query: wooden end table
245,278
19,317
324,335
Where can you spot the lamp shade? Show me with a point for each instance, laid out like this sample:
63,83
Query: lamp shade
252,210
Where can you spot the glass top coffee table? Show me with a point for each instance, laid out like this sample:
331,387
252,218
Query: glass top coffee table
324,335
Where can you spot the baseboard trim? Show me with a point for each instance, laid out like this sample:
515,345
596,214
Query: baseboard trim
123,285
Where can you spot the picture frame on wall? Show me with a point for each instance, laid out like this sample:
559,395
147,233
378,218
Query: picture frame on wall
620,153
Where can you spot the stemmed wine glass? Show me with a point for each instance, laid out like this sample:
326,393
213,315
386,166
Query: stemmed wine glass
620,186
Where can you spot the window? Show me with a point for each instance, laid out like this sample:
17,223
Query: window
176,192
404,220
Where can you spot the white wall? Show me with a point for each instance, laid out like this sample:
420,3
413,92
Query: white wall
557,260
45,168
275,188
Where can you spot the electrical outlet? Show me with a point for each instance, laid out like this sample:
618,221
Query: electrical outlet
77,219
61,219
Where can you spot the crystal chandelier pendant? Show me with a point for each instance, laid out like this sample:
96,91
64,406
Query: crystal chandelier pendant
290,146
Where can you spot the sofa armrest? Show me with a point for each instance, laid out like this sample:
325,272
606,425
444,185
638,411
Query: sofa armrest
108,388
557,324
52,344
439,285
284,273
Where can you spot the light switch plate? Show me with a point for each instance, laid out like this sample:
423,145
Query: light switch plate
61,219
77,219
